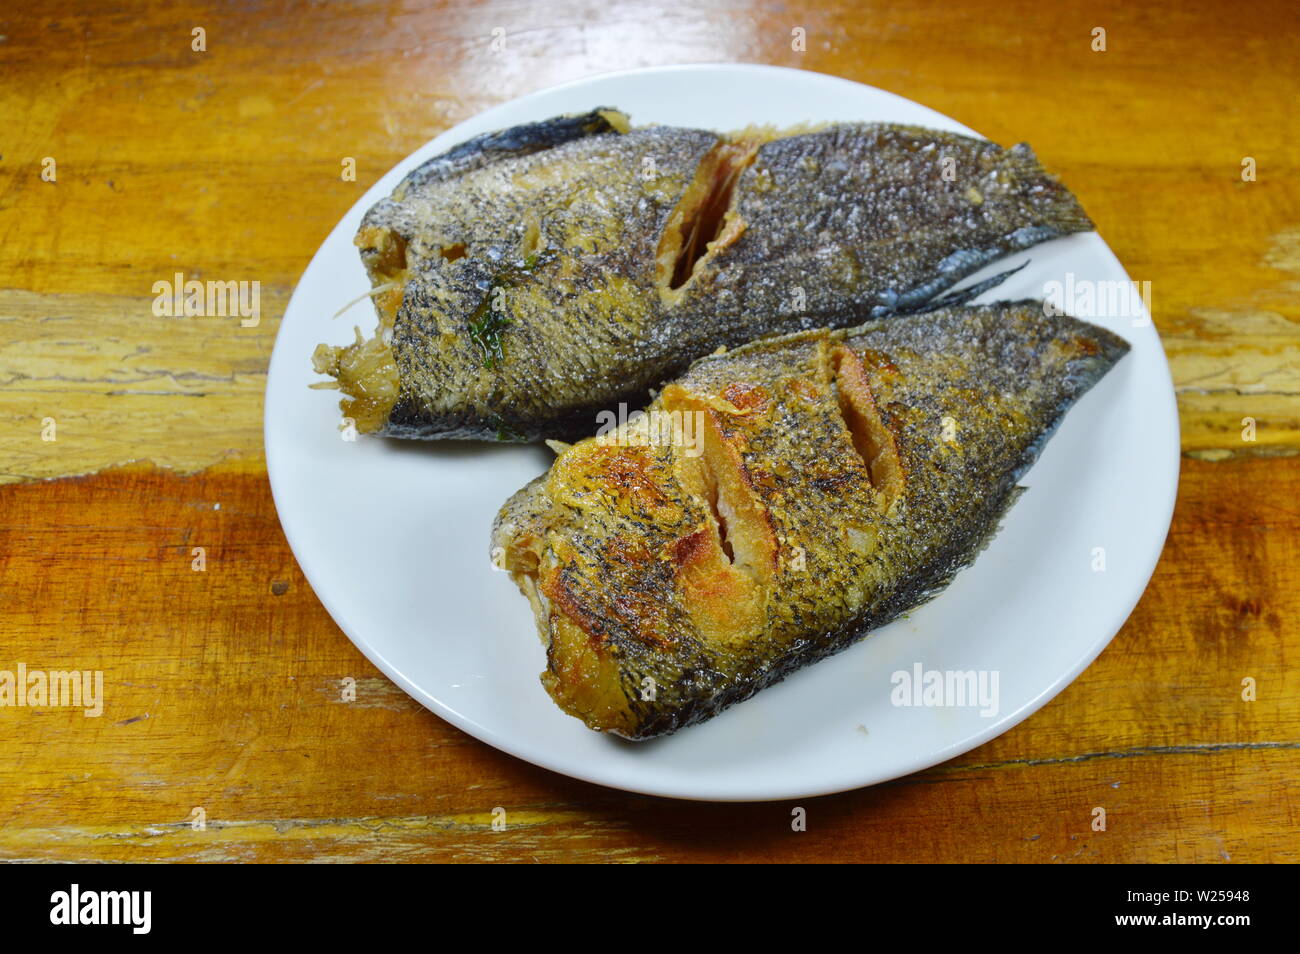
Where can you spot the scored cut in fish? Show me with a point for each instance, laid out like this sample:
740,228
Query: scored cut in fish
529,278
781,500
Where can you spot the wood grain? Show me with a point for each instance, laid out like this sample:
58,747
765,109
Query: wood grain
222,687
223,691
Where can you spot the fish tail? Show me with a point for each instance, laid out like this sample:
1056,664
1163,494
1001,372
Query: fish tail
1053,212
1057,206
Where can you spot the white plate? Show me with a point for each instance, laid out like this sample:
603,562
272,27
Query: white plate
394,536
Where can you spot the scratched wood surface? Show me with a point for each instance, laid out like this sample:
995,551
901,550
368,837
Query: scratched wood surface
222,686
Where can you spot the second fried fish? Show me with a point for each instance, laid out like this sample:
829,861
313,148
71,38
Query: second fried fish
780,501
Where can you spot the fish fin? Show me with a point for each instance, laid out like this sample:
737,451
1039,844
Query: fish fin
516,141
961,296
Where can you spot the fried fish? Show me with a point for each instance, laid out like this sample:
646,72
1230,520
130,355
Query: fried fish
531,277
781,500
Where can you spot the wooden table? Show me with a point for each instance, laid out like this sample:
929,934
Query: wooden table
222,685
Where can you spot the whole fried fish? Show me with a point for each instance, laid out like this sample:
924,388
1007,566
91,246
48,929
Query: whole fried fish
781,500
531,277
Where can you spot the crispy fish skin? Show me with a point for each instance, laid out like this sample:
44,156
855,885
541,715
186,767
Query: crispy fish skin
512,273
529,279
845,477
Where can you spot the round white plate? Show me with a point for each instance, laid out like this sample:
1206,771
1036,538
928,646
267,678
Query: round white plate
393,536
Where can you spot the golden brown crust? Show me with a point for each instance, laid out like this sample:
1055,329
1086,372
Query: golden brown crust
871,435
821,498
